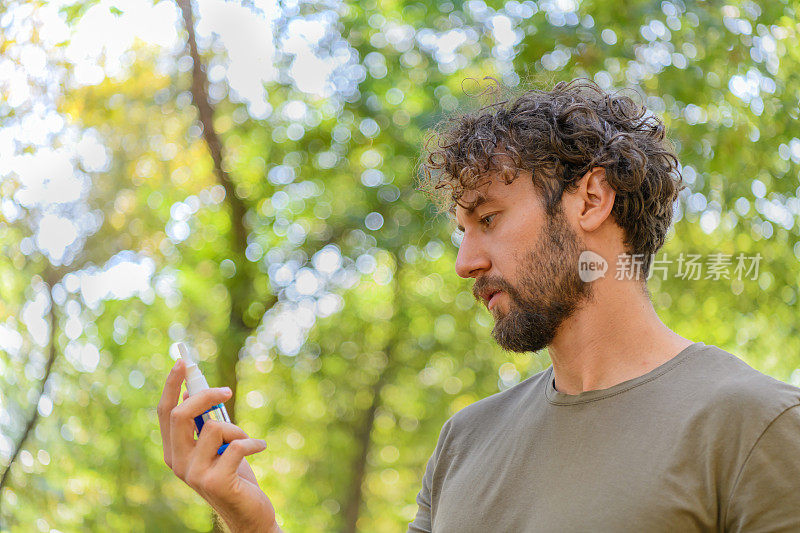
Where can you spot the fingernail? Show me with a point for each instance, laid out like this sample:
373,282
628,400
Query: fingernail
226,390
262,442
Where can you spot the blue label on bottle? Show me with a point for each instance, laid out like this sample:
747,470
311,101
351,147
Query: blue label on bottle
198,421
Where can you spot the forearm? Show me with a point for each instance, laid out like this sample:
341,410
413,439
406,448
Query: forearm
231,525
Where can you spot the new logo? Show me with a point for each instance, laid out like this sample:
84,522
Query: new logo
591,266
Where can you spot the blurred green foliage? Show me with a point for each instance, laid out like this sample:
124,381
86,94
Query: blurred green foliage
361,341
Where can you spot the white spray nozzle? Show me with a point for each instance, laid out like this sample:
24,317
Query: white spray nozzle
195,381
184,351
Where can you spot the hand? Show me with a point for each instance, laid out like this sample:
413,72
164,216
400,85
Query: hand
225,481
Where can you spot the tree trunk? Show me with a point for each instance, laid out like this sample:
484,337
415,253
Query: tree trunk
240,284
363,436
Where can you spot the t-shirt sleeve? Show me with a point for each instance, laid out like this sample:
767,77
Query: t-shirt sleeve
423,522
766,494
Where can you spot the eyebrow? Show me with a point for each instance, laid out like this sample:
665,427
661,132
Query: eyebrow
479,201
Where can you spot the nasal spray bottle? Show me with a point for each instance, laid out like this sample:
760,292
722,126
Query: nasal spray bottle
195,382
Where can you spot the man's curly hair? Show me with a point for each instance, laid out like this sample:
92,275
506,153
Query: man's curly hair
559,135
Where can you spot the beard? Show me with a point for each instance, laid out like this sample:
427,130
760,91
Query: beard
548,292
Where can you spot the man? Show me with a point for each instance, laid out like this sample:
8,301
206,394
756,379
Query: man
633,427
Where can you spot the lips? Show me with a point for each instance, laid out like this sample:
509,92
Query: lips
486,290
490,298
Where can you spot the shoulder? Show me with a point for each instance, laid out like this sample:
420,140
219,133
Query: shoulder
764,495
734,391
497,409
734,385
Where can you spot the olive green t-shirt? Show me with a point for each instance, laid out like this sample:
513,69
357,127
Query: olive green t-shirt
702,443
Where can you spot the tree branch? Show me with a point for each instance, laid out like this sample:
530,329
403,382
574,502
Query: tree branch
48,369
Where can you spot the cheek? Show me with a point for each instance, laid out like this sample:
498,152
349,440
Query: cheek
509,263
518,242
523,223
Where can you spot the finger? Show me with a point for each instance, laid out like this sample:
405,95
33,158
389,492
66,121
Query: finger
246,472
212,436
182,422
204,400
185,394
169,399
237,450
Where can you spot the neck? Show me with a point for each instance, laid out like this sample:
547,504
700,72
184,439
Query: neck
616,337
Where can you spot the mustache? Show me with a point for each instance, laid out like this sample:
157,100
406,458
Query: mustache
492,283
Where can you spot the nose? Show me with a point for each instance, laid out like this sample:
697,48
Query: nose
472,259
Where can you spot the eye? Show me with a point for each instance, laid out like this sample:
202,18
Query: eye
487,220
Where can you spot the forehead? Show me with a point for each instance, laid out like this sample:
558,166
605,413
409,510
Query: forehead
494,189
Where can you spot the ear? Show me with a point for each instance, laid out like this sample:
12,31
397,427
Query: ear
595,198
